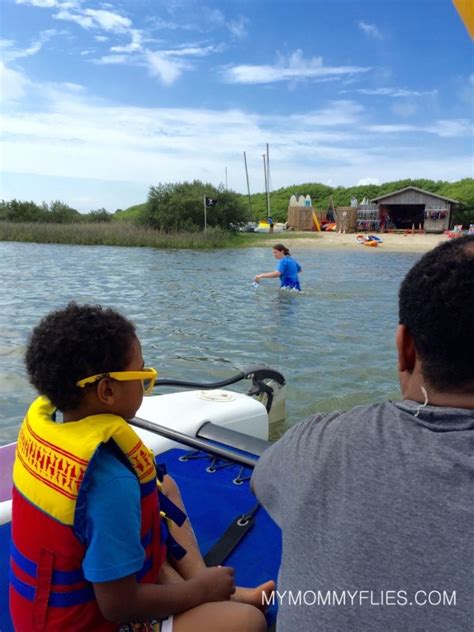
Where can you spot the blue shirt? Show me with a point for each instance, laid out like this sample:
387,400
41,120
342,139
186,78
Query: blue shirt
288,269
111,529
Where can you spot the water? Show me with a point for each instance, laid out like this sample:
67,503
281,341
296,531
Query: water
199,318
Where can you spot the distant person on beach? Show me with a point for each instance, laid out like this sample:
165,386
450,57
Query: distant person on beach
100,536
376,505
287,269
344,221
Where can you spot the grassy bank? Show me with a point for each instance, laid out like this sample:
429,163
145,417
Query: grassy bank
111,234
125,234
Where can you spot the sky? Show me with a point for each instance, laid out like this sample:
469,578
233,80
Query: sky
101,100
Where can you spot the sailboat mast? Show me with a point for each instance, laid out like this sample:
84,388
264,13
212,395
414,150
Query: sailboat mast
264,156
248,186
268,181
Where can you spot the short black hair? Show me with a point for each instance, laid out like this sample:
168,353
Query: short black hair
436,304
73,343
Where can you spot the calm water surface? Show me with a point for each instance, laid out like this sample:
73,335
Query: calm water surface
199,318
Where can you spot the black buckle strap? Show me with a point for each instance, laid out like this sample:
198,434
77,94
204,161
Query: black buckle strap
231,537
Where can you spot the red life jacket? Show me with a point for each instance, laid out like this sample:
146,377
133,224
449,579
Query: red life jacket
48,590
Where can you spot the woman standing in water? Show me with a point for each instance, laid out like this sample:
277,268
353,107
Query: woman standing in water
287,269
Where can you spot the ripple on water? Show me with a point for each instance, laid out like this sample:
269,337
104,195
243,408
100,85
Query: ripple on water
200,319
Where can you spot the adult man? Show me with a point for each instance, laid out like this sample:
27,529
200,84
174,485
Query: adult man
376,504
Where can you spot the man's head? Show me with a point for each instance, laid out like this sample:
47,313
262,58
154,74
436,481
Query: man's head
76,342
436,306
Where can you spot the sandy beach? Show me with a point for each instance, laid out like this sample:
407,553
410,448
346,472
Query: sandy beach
391,242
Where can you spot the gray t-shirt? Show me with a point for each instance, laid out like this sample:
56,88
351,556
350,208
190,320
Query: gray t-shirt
376,508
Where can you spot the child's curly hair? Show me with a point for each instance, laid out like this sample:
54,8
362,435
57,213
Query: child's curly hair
73,343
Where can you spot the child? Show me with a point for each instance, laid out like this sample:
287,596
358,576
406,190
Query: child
287,269
87,549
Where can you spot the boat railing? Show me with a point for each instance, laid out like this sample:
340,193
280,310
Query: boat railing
208,439
257,373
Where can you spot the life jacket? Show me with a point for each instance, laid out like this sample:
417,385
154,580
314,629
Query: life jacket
53,464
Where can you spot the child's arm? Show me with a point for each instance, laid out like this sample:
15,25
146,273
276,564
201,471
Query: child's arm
124,600
267,275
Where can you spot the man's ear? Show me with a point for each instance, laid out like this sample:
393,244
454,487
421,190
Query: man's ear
406,350
106,391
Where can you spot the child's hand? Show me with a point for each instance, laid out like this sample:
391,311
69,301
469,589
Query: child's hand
217,582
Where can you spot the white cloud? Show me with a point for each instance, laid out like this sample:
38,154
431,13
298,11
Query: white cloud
73,87
216,19
369,29
335,114
79,18
109,21
108,60
166,70
134,46
13,84
70,134
397,92
165,65
452,128
238,28
294,67
191,51
44,4
10,53
460,128
404,109
95,19
392,128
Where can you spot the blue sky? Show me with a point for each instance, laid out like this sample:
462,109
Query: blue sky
101,100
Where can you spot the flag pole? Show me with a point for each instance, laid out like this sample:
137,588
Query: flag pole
205,216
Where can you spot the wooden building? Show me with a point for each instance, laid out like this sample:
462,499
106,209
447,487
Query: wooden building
412,206
346,219
300,213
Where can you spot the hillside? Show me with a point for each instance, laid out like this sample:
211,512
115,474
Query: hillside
462,190
131,213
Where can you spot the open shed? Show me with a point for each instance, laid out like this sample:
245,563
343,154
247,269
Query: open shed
412,206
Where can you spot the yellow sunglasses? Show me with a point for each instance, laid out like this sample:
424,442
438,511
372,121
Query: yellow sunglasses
147,377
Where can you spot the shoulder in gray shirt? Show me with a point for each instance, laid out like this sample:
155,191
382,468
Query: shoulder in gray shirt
376,508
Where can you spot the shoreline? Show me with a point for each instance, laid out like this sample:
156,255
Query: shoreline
392,242
123,234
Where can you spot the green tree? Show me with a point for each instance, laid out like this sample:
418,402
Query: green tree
17,211
180,207
462,190
98,216
61,213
